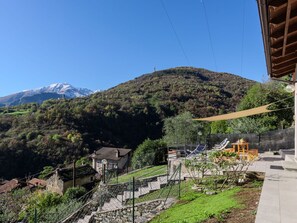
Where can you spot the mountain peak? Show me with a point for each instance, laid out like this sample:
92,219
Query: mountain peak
55,90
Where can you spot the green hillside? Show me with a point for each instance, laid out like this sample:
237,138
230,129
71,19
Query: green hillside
58,131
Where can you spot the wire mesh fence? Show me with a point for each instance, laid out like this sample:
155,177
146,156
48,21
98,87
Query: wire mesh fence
155,187
273,140
128,195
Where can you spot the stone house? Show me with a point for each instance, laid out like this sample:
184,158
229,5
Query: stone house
62,179
113,158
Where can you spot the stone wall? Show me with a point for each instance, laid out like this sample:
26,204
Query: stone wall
143,213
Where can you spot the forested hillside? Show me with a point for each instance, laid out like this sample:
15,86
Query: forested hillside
57,131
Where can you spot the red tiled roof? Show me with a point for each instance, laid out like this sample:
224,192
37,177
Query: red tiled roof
9,186
37,182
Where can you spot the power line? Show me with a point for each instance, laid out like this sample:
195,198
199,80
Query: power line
242,39
209,35
175,33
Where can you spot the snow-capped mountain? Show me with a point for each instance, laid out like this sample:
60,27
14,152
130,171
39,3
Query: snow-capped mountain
53,91
65,89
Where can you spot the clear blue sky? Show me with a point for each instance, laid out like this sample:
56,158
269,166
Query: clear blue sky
98,44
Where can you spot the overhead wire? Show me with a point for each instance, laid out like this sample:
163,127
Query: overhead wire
175,33
209,35
242,38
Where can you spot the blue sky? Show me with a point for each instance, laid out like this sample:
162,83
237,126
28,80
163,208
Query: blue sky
98,44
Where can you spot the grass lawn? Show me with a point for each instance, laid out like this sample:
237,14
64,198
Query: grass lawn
142,173
168,191
196,207
15,112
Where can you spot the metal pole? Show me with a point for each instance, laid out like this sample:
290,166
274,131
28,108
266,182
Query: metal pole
73,175
35,215
117,174
103,173
179,181
167,162
133,200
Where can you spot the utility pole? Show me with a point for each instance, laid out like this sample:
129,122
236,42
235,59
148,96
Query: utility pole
133,199
74,174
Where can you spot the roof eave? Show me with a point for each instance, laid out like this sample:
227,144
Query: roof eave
263,13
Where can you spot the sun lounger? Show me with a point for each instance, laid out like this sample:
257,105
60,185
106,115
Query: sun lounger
199,149
221,147
217,146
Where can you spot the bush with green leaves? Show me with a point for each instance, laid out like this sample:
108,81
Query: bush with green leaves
83,161
150,152
12,203
40,202
74,193
45,172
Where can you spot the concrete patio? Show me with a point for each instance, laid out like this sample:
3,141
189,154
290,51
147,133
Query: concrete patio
278,201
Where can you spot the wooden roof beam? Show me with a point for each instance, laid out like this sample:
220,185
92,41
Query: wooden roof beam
284,64
276,3
285,70
282,74
276,12
290,48
286,27
278,42
277,30
277,60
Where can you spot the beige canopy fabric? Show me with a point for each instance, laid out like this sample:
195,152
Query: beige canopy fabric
239,114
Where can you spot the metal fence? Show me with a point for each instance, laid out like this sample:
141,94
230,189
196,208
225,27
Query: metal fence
268,141
105,198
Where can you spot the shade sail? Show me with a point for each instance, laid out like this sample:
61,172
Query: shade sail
239,114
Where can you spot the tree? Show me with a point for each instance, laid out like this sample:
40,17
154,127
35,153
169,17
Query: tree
45,172
150,152
74,193
262,94
83,161
182,130
219,127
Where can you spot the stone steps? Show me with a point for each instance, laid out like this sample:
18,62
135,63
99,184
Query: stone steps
116,203
112,204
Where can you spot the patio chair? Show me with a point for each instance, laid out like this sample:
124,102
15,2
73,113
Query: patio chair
223,146
199,149
217,146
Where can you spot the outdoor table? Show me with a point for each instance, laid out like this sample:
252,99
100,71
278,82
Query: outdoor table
242,148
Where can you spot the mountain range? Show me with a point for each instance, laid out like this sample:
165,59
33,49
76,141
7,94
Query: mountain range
53,91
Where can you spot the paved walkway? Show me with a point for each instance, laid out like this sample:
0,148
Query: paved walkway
278,201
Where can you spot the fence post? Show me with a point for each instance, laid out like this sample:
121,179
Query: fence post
179,181
133,200
35,215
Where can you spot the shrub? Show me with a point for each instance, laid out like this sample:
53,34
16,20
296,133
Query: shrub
46,171
74,193
148,153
